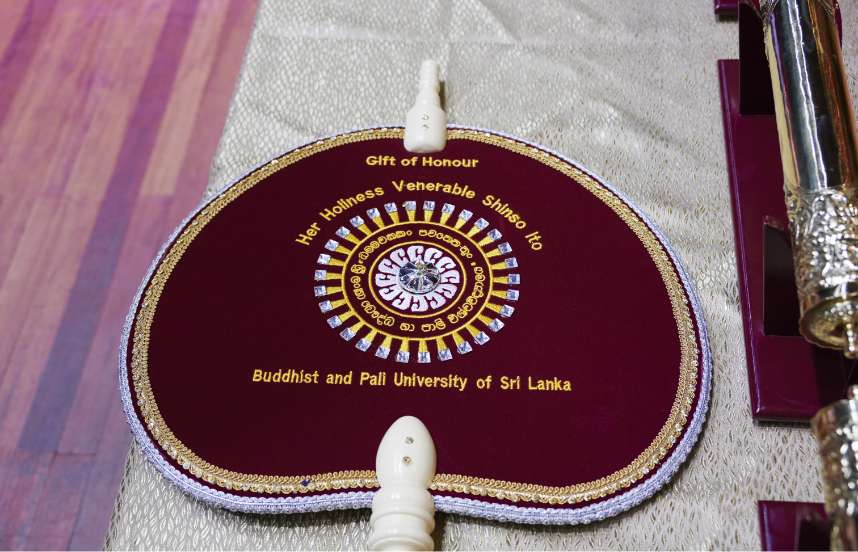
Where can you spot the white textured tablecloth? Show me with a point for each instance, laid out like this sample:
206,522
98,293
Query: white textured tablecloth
630,89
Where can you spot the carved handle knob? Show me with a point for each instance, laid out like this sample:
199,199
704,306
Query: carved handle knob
403,512
426,122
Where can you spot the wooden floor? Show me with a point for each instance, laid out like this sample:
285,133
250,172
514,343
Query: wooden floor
110,112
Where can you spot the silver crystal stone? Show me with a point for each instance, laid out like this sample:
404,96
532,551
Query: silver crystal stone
331,245
445,354
318,291
347,334
324,259
423,357
506,311
418,277
363,344
402,356
496,325
481,338
463,348
334,321
382,352
325,306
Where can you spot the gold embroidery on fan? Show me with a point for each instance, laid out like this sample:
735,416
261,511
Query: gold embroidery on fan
355,479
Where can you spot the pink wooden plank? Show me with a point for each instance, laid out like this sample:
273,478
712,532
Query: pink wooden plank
21,48
55,395
98,389
75,236
57,510
24,475
97,505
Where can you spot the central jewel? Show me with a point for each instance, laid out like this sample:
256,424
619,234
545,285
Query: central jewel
418,277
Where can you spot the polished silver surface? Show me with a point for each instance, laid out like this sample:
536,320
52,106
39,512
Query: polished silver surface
419,277
816,127
836,430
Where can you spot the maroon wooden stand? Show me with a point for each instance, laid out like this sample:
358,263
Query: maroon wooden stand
789,379
793,526
726,8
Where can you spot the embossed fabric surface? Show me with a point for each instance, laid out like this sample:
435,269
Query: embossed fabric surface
630,93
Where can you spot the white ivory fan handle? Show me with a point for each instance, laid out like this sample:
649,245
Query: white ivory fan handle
426,122
403,512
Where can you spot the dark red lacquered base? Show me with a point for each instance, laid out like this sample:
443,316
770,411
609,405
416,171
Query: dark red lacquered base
789,378
726,8
793,526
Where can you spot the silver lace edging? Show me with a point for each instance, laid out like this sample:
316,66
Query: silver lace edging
448,504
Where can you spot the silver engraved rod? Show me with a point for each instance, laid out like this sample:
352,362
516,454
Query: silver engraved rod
816,129
836,430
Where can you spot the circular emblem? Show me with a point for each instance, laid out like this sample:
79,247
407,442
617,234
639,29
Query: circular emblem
418,276
418,282
417,261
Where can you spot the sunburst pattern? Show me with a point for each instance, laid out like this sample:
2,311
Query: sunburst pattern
433,329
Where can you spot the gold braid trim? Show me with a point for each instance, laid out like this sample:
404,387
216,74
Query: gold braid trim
355,479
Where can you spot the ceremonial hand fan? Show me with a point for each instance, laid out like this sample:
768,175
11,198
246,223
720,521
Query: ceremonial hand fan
523,309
